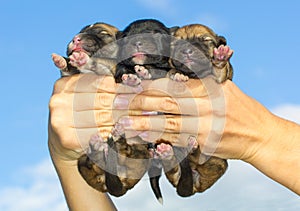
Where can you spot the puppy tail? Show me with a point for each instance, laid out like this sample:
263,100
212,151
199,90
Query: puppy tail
154,173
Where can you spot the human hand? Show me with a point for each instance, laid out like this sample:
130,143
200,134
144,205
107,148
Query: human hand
225,121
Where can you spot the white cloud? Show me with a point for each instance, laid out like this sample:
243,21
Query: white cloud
288,111
41,191
241,188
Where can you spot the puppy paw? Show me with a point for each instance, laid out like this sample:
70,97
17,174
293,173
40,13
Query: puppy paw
97,148
222,53
179,77
131,80
78,59
142,72
192,143
164,151
118,130
59,61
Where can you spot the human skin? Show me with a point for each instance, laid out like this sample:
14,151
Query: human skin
226,123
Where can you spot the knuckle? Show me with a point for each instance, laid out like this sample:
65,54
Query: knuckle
173,124
105,99
169,104
143,124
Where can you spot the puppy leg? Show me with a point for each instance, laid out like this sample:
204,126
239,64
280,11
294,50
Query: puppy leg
113,182
154,173
185,183
222,68
59,61
91,165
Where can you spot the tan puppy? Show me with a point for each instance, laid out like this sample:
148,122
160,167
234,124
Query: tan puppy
93,40
198,52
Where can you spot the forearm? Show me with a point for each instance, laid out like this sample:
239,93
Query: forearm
279,157
79,195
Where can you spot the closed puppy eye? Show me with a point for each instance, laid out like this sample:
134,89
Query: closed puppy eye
206,38
103,32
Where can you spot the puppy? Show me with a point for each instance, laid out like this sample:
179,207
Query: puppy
94,50
113,166
96,39
144,50
198,52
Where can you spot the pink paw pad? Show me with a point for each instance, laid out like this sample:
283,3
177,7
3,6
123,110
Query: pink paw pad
97,144
222,53
164,151
118,130
130,80
78,59
142,72
192,143
180,77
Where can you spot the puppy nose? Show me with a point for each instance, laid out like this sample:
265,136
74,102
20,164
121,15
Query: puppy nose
76,39
138,44
188,51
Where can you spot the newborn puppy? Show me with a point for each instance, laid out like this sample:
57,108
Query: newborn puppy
95,39
198,52
114,166
144,49
144,52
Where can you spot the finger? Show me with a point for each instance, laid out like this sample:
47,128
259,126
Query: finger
161,123
198,104
90,83
176,139
190,88
184,106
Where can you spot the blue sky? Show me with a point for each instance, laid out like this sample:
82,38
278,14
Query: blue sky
265,39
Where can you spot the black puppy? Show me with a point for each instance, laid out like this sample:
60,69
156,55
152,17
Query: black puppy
144,51
92,40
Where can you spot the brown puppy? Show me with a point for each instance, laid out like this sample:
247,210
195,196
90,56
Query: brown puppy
198,52
96,39
114,166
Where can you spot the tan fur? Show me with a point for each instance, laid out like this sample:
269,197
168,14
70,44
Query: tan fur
222,70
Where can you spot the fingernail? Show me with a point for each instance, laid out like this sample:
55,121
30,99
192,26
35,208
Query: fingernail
126,122
121,102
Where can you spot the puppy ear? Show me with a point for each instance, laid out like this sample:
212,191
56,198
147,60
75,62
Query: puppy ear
173,29
221,41
119,34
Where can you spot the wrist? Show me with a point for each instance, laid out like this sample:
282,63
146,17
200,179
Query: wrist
278,154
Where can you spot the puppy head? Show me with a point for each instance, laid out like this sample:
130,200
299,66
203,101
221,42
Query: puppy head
144,41
192,49
200,33
103,31
96,38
